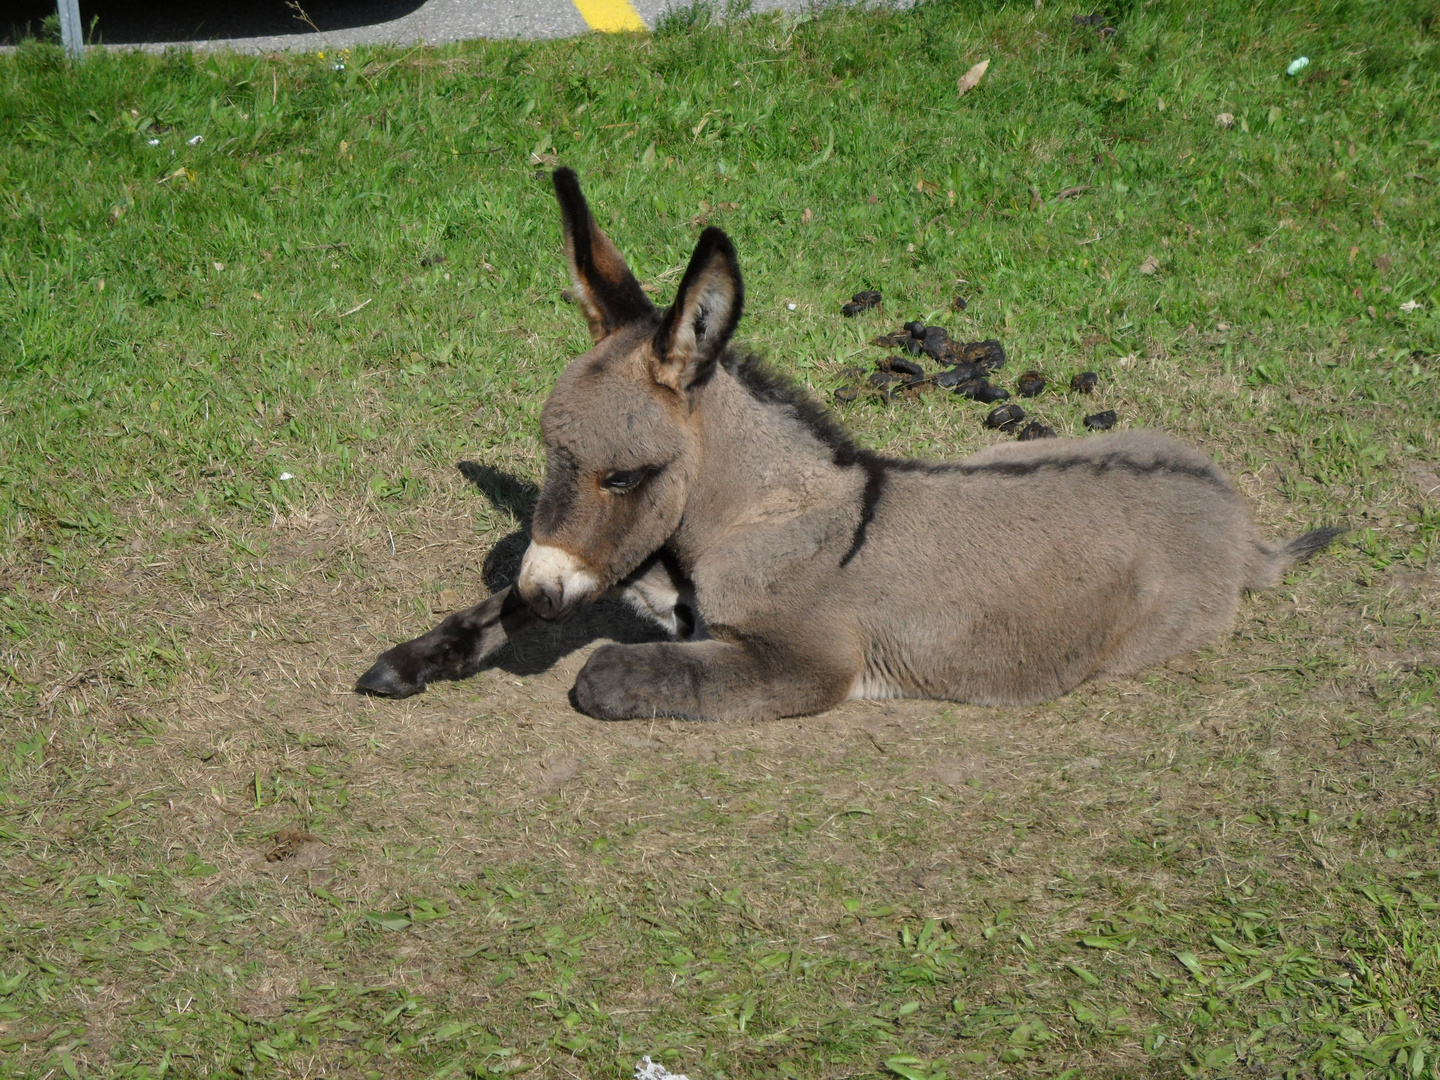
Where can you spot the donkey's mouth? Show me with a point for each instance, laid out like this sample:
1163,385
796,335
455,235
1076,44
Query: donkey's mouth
554,583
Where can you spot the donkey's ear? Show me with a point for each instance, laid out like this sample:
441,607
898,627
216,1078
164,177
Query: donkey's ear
698,326
603,286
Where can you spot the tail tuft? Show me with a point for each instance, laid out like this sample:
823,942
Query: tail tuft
1302,547
1275,560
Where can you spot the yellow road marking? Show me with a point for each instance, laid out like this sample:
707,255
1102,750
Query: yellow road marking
610,15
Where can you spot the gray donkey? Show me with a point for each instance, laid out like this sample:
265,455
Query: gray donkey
798,569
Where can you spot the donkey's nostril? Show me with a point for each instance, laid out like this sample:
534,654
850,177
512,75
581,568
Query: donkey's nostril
552,581
545,603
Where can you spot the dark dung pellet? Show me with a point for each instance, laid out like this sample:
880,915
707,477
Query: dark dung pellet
990,394
969,371
953,377
1101,421
970,388
959,303
891,341
1030,383
1084,382
935,342
901,366
914,347
1005,417
847,394
1035,430
915,329
883,379
988,354
861,301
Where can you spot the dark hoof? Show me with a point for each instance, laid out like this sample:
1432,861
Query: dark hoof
382,680
602,688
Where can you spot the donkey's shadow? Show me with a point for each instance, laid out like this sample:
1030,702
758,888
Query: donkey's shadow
541,647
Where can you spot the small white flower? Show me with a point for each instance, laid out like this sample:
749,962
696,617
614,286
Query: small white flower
287,476
792,307
152,142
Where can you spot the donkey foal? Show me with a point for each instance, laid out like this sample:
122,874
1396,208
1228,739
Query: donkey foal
801,569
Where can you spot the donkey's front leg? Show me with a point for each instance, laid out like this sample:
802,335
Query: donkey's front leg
455,649
706,680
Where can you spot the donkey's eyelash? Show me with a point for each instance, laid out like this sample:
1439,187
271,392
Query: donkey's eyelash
625,480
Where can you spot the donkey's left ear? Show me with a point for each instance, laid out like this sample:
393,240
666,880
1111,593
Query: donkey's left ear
707,308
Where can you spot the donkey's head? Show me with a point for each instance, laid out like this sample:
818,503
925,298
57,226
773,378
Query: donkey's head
621,430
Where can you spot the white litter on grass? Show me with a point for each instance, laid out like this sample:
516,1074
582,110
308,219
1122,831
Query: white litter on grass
1299,64
287,476
196,141
152,142
1410,305
653,1070
791,307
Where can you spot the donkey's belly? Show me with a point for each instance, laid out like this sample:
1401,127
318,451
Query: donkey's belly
871,686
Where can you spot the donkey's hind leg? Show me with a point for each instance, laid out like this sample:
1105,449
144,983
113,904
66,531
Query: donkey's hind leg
455,649
706,680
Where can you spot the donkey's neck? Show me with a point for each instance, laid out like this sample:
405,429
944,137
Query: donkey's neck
761,460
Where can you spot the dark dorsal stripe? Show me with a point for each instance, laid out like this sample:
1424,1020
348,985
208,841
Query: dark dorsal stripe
1114,461
875,470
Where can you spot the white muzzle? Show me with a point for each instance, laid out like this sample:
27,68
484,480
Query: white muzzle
553,582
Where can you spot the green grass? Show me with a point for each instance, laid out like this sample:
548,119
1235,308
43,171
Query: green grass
1204,872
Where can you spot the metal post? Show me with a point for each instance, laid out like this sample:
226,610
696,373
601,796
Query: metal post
72,34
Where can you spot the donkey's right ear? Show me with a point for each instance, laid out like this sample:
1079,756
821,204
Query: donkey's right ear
602,284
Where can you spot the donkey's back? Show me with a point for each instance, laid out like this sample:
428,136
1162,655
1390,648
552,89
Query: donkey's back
1015,574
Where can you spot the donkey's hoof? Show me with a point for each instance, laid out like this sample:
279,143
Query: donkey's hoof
604,687
382,680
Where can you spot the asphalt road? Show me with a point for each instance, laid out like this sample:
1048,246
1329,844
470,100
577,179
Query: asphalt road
265,25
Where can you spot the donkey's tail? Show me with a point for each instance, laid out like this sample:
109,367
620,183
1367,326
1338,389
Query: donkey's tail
1275,559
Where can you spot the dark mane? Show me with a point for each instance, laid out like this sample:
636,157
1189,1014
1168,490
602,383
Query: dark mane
771,388
766,386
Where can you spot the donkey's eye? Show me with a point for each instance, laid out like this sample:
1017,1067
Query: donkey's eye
623,481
